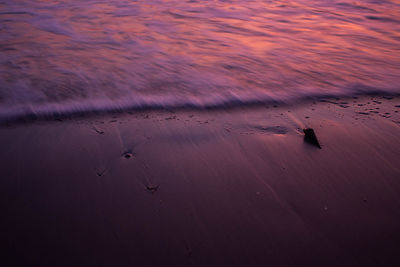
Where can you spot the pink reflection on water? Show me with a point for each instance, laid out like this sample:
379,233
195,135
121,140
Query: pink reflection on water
199,52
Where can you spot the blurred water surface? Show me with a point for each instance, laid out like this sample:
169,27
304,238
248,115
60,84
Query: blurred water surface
88,55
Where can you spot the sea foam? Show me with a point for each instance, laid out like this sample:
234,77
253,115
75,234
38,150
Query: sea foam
71,57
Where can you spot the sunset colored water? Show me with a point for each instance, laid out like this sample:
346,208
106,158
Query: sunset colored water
79,56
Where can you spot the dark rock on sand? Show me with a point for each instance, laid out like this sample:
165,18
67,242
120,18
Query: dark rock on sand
310,137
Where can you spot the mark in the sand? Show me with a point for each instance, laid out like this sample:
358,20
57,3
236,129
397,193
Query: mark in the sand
272,129
171,118
98,130
343,106
397,106
100,172
188,251
115,235
152,188
192,137
328,101
127,154
363,113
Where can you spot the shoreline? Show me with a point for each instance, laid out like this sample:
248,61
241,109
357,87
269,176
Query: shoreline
43,115
230,187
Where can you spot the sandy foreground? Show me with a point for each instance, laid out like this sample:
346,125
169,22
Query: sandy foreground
236,187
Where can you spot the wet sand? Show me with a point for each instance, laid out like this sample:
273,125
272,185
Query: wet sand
236,187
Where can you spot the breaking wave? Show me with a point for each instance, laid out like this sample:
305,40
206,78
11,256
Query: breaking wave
60,58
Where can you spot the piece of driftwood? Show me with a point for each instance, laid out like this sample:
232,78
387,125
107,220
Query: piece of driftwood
310,137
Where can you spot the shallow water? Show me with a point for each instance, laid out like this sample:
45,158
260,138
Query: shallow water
73,56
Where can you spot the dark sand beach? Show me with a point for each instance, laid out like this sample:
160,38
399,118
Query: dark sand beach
200,133
234,187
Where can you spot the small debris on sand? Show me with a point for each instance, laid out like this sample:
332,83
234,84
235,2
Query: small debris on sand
310,137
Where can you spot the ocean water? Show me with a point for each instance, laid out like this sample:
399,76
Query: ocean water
60,57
